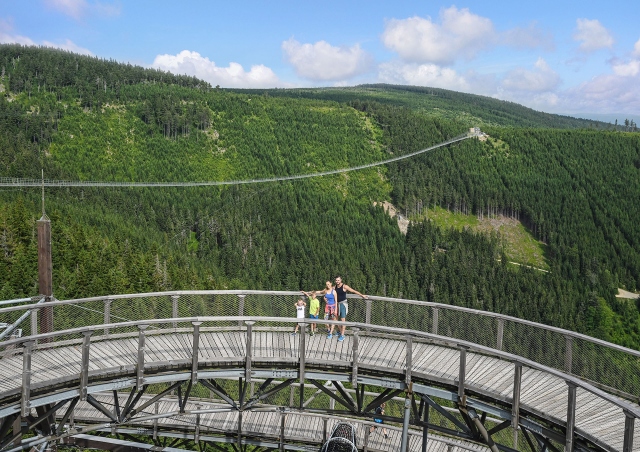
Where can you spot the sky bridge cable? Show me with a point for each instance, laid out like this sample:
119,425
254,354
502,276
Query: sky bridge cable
24,182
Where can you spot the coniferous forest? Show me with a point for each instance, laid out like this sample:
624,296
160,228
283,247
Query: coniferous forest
574,184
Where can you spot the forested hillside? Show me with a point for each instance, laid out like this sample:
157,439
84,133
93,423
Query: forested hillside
80,118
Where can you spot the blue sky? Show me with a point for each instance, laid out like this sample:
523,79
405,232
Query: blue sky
557,56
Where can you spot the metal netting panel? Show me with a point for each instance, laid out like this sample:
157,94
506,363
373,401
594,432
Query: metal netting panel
69,316
468,326
357,310
23,329
605,365
343,439
401,315
542,346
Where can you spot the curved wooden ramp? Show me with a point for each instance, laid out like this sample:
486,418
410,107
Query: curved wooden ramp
482,382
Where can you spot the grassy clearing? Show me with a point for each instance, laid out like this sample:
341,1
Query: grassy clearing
518,243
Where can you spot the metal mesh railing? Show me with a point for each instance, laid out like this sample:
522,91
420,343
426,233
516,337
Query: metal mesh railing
608,366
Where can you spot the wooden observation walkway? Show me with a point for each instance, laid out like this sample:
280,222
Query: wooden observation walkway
205,380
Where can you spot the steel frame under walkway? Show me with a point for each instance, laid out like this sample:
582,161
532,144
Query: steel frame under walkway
479,392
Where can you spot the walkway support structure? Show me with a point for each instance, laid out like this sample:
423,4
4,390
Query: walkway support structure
473,393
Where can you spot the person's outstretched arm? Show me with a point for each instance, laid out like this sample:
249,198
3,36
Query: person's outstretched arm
349,289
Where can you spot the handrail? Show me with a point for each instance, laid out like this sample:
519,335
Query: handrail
624,405
494,315
22,318
19,300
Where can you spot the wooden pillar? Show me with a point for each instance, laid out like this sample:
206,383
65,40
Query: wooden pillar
45,273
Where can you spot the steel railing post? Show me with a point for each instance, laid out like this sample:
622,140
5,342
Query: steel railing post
303,353
425,427
282,419
239,439
462,375
571,417
367,312
196,348
140,362
196,434
174,309
515,405
34,322
241,307
628,432
155,421
568,354
354,356
500,334
25,404
107,314
324,429
434,327
248,352
408,361
405,424
84,371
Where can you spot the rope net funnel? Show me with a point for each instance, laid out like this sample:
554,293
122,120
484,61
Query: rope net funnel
343,439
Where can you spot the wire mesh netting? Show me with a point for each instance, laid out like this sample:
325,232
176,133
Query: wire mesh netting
542,346
468,327
342,439
606,366
613,368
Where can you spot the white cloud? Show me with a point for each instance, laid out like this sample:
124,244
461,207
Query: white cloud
541,79
636,49
322,61
8,37
68,45
73,8
419,40
233,76
430,75
630,69
592,35
606,94
530,37
79,8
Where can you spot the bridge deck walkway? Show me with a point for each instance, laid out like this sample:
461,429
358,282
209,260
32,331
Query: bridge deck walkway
542,394
299,427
